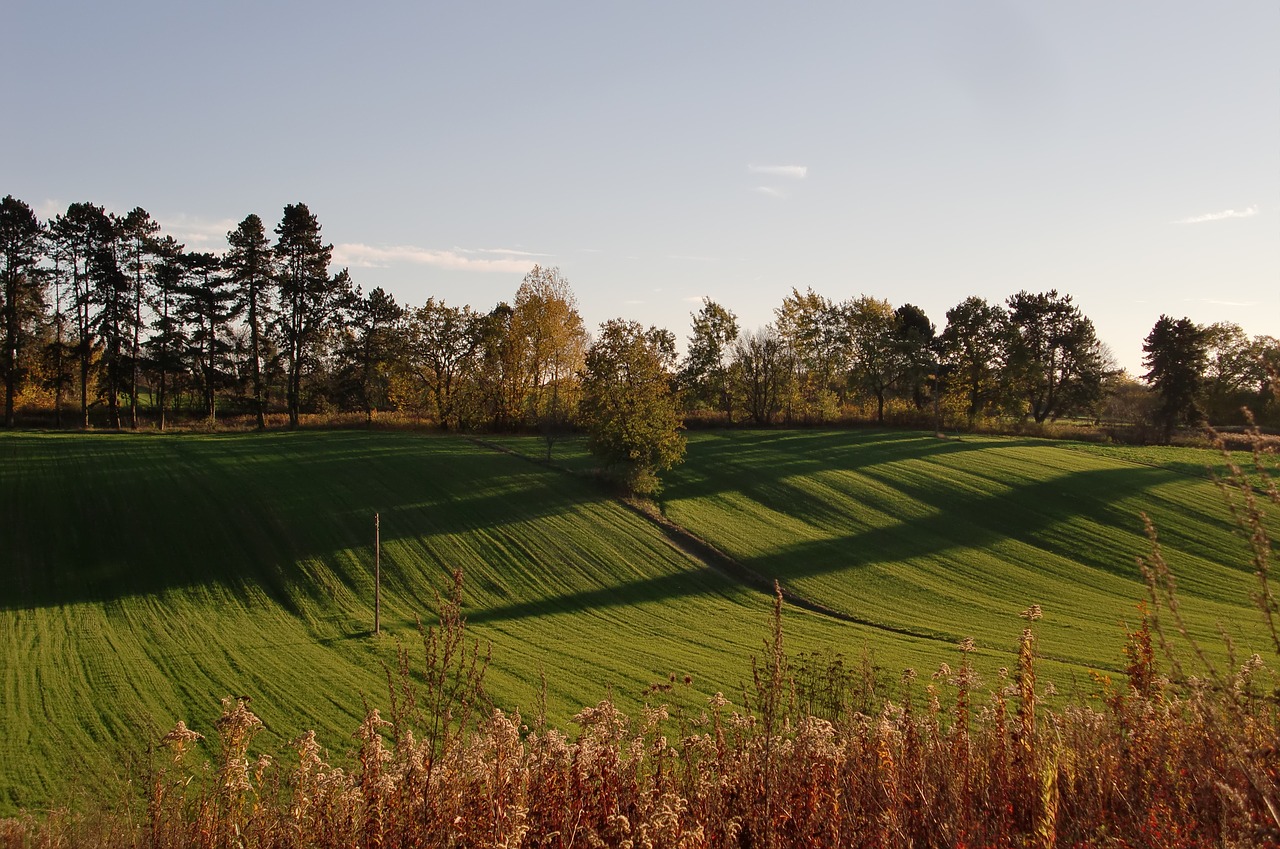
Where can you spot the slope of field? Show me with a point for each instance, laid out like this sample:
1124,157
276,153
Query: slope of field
147,576
948,537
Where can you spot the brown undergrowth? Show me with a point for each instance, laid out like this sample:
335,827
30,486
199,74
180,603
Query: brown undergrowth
812,754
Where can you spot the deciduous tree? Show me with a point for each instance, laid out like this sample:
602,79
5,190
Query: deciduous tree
443,345
973,346
552,341
816,335
877,358
760,373
629,405
915,344
1055,360
704,375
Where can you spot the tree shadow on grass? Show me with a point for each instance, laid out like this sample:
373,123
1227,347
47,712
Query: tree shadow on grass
960,525
102,517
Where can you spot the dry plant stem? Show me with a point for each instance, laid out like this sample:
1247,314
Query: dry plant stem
1241,497
1227,713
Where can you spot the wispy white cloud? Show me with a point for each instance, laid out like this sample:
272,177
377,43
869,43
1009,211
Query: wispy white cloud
632,303
692,258
373,256
1219,216
797,172
499,251
1218,303
770,191
692,299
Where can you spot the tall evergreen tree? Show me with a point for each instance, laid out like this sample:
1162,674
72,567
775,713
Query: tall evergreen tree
208,306
1175,354
249,264
82,237
374,342
112,295
138,233
22,285
309,297
168,338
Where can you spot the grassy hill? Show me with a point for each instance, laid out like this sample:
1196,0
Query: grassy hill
146,576
947,537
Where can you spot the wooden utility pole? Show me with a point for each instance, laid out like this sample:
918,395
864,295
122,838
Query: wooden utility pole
377,574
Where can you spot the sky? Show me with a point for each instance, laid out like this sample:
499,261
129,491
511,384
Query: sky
1127,154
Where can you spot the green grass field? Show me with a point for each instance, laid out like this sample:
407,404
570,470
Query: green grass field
147,576
947,537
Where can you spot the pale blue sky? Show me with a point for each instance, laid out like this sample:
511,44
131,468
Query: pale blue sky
1126,153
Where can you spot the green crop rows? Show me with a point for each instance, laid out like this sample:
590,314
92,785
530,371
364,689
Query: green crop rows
146,577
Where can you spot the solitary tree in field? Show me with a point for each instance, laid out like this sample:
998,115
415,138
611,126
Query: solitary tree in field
21,291
629,407
1175,357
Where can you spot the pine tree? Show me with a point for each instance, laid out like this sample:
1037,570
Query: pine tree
309,297
249,264
1176,354
22,285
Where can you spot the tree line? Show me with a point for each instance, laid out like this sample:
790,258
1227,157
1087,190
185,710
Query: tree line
108,321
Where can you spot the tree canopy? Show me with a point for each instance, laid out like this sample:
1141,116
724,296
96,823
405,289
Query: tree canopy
629,405
1176,352
102,310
